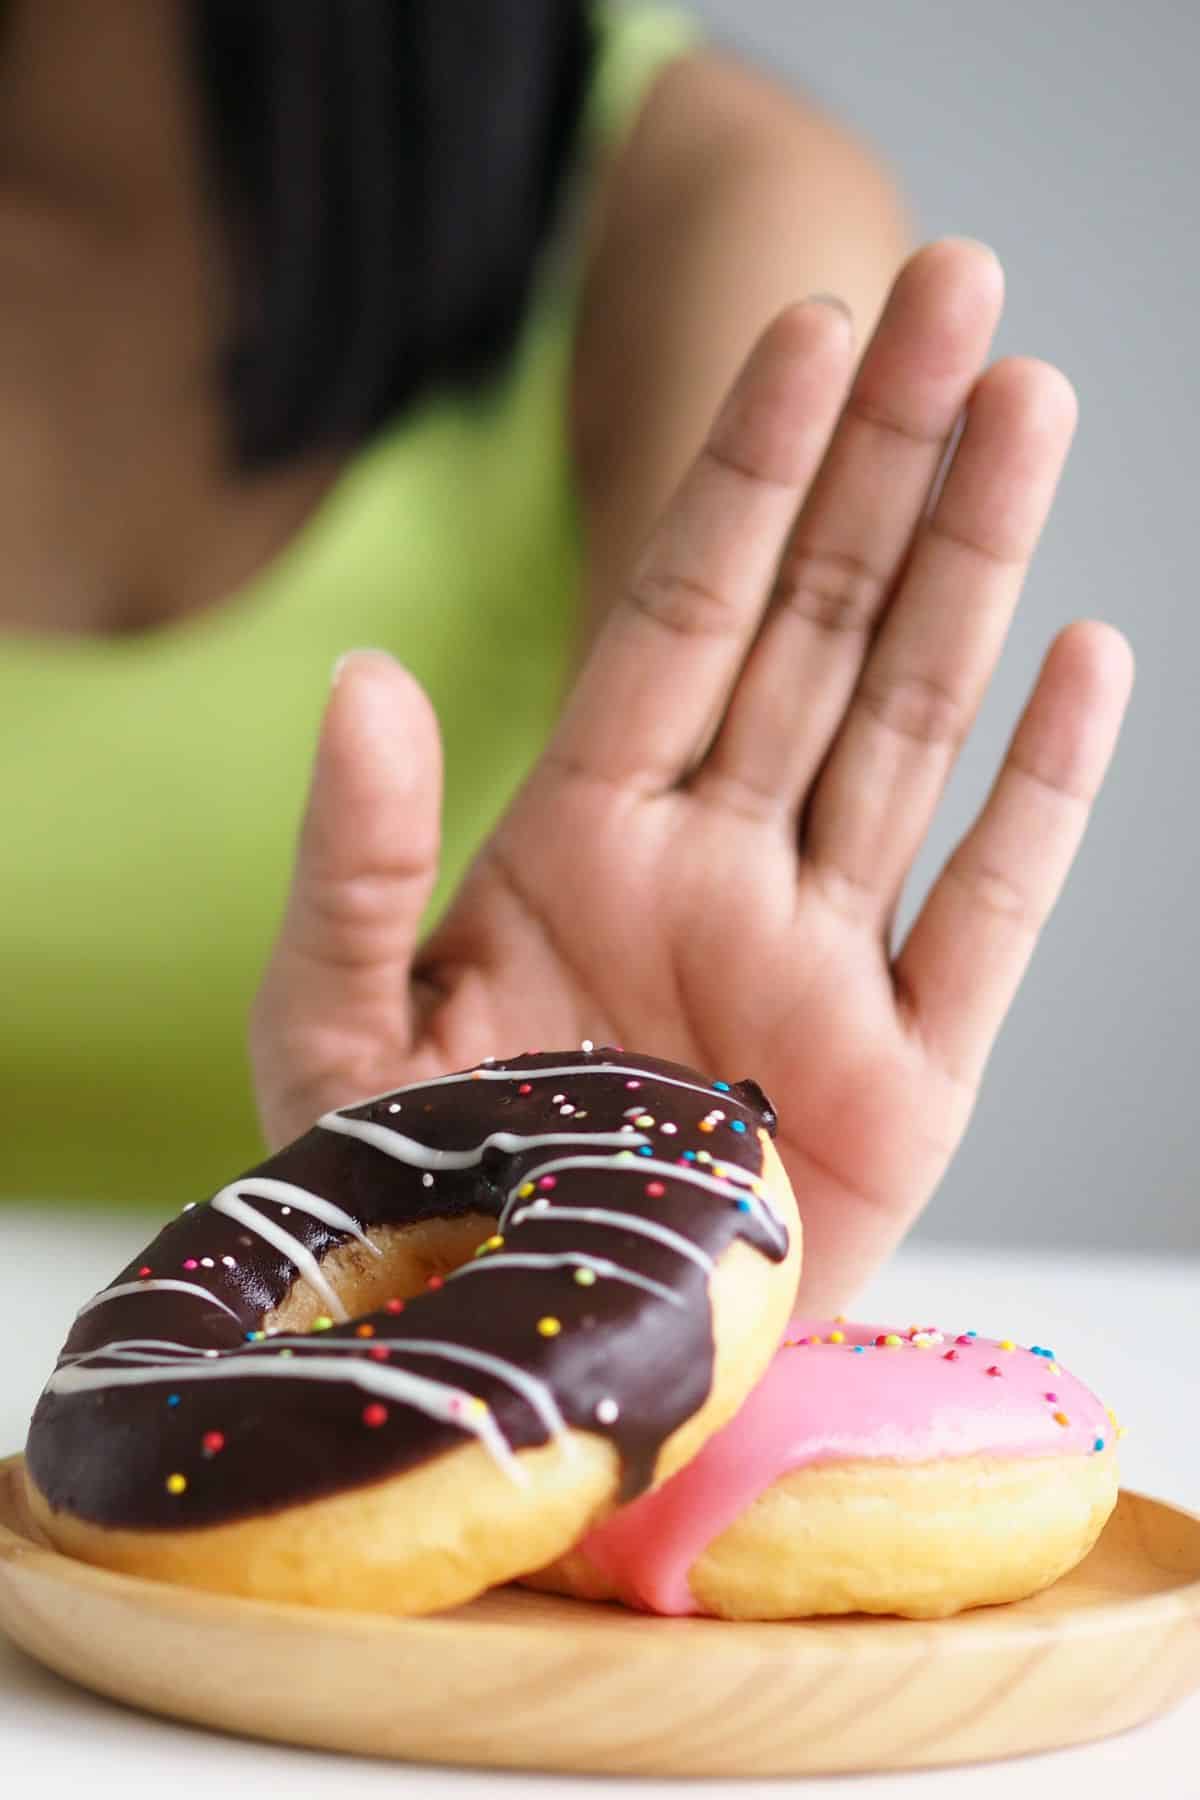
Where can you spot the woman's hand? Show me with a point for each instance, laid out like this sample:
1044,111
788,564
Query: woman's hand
706,862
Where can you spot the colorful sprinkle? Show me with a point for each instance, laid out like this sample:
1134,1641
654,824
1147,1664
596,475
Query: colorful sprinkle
585,1277
145,1270
737,1124
645,1150
742,1205
172,1399
669,1130
212,1443
1060,1418
393,1306
435,1282
1053,1399
995,1369
607,1411
526,1087
1007,1344
549,1327
837,1337
964,1337
524,1191
377,1352
374,1415
706,1125
190,1263
256,1337
655,1189
547,1182
950,1356
1099,1444
722,1087
176,1484
322,1322
643,1121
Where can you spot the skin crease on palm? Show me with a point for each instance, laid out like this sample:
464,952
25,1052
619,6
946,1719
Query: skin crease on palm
706,862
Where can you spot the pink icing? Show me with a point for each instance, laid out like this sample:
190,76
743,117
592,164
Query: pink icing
821,1402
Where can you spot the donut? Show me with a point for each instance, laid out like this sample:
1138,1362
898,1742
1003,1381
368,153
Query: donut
419,1351
871,1470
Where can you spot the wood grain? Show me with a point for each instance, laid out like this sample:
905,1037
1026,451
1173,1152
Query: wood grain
530,1681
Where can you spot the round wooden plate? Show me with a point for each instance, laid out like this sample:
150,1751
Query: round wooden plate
530,1681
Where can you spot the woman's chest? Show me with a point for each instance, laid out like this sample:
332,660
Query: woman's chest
120,509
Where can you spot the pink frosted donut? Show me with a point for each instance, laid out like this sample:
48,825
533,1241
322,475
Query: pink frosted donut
871,1470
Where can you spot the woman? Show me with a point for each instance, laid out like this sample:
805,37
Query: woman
400,324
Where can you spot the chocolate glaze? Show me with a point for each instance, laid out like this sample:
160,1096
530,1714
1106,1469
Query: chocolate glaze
106,1451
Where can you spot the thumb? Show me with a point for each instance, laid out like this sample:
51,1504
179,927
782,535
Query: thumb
334,1007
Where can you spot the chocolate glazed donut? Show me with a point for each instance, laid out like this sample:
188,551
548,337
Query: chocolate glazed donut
606,1189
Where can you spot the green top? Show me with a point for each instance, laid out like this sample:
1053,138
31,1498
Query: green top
151,789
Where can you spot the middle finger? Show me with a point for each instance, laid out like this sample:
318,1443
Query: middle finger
855,526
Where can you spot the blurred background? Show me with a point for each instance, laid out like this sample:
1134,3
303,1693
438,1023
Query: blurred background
1065,135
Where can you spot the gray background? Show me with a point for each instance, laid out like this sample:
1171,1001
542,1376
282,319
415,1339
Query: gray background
1064,133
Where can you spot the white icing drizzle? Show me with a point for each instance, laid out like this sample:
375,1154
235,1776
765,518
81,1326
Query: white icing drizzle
149,1285
598,1215
420,1156
147,1350
229,1203
536,1392
716,1184
264,1187
450,1405
570,1258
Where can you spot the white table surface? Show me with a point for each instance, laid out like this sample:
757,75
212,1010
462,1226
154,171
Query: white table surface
1129,1327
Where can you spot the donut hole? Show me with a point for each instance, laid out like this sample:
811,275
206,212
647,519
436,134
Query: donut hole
409,1257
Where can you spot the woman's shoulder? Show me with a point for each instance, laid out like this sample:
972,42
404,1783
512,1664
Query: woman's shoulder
713,131
730,195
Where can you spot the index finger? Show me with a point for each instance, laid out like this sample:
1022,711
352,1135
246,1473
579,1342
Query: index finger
669,653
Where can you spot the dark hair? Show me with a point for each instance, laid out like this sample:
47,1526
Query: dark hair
386,172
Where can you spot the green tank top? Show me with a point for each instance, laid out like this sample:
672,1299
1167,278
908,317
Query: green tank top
151,788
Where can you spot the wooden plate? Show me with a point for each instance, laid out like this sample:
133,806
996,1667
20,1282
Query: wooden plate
530,1681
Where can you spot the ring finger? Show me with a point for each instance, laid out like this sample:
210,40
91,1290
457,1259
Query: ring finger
927,671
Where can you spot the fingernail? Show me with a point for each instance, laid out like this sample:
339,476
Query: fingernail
347,655
834,300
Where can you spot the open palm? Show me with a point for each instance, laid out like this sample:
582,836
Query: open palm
706,862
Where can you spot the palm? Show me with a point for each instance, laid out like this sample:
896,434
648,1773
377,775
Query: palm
707,860
662,925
